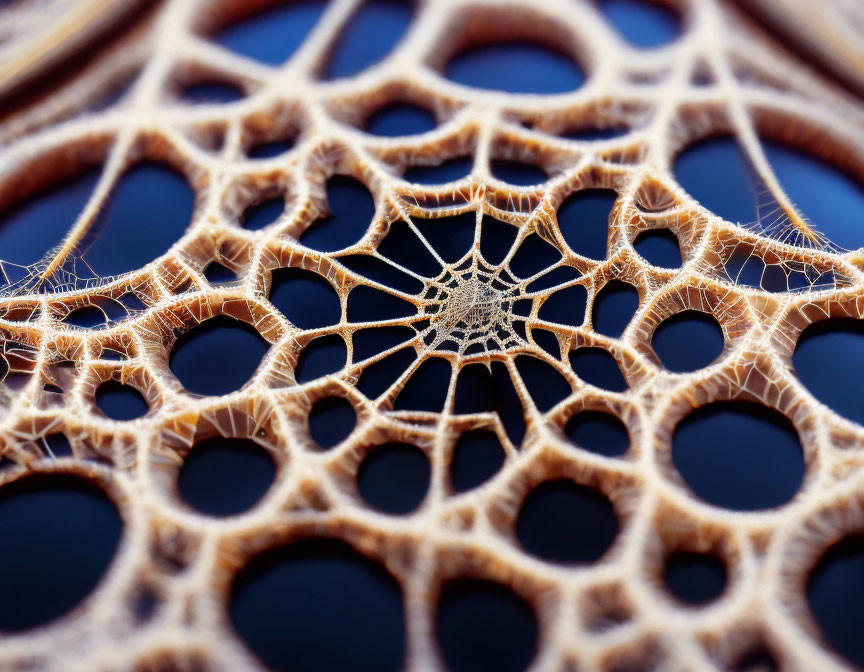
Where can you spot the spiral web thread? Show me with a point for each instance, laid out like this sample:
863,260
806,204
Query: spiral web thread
756,89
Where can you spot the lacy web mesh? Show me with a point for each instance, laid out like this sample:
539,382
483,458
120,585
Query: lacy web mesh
471,311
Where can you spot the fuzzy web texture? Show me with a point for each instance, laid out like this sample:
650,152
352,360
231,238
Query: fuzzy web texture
464,315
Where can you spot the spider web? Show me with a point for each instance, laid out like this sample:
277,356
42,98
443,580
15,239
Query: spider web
465,314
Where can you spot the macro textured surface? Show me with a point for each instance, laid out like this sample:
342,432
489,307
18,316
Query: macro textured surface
454,311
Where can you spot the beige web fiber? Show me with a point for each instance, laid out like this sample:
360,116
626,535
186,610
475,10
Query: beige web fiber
757,89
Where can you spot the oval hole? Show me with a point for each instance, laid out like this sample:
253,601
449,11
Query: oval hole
64,531
448,170
268,150
370,34
210,93
218,356
147,212
595,133
217,274
87,317
829,361
398,119
584,221
481,625
518,173
394,478
835,590
120,402
305,298
614,307
263,214
695,578
516,67
565,522
738,455
477,457
598,432
318,606
659,247
688,341
331,421
351,211
642,23
225,476
272,36
321,357
597,367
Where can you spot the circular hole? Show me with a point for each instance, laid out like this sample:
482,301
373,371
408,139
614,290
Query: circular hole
562,521
835,592
218,356
695,578
659,247
64,531
598,432
319,605
688,341
829,361
394,478
120,402
739,455
477,457
483,625
225,476
331,421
